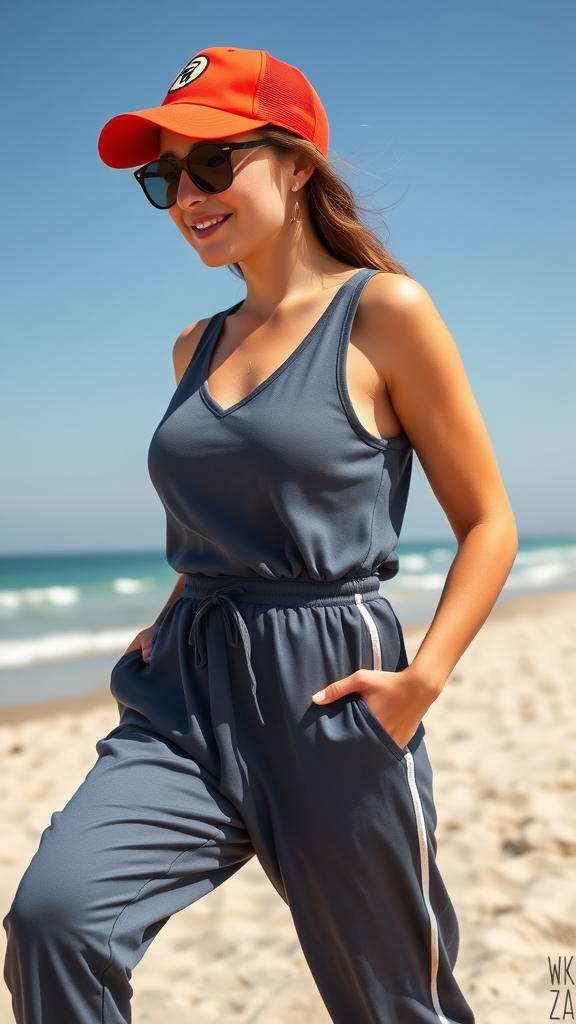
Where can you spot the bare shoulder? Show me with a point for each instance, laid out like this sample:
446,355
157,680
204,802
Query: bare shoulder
395,300
401,324
185,346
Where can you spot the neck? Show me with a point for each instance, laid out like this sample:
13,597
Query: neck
293,265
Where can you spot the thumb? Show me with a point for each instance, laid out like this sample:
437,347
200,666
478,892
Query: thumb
350,684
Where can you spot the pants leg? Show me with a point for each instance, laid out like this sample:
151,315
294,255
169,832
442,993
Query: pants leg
353,822
371,910
146,834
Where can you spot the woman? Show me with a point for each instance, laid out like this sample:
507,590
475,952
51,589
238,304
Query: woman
271,709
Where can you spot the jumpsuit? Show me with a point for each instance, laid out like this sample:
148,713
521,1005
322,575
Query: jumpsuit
284,512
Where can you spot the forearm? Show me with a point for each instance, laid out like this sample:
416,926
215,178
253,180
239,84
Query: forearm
477,575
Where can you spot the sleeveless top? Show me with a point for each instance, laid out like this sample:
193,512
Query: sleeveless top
286,483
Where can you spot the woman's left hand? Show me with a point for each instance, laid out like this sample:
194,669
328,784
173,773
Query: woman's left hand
397,699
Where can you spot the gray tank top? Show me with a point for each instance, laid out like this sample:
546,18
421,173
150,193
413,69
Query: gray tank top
286,483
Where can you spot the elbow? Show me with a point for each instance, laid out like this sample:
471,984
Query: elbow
509,533
500,526
497,525
506,523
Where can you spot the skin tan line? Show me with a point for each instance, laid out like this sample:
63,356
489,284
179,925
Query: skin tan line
404,374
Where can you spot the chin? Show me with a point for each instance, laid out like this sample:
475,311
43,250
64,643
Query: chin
221,254
213,259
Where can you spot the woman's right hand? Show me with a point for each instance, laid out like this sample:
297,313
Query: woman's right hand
143,642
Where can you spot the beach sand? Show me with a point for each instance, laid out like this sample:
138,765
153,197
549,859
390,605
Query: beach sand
502,741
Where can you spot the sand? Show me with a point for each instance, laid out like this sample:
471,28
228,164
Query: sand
501,739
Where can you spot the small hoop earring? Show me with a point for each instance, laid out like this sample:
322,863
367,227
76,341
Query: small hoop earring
295,213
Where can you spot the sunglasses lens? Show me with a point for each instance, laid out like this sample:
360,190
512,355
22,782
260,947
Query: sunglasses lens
160,183
210,169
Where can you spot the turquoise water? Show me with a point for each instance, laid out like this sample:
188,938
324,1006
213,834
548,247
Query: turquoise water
65,619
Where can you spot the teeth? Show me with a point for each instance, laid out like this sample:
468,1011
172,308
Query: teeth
208,223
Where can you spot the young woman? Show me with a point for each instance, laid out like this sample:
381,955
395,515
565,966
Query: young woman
271,709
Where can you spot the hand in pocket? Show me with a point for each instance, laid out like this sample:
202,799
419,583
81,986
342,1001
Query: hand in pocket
397,699
143,642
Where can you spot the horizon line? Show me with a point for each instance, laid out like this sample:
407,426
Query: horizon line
525,538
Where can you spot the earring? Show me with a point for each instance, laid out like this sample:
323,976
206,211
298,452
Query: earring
295,188
295,213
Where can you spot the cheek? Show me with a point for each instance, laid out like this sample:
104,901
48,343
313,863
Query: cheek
177,218
260,209
175,214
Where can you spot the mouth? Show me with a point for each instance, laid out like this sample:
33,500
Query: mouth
205,228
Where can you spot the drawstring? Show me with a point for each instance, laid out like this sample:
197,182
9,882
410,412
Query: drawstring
236,633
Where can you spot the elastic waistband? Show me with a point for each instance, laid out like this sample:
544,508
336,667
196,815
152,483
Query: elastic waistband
284,593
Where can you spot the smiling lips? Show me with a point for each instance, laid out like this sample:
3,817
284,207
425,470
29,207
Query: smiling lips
209,225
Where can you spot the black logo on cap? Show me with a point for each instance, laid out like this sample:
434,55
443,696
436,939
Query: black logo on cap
194,68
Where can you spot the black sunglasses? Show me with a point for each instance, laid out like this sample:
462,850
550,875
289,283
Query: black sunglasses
209,166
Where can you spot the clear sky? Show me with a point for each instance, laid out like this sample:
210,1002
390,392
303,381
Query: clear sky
461,114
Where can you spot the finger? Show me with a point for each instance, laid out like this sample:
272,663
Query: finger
350,684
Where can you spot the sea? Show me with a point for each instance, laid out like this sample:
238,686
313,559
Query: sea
65,619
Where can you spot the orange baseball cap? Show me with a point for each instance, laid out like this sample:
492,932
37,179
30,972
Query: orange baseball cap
222,91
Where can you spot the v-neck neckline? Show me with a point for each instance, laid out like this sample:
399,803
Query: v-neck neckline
211,402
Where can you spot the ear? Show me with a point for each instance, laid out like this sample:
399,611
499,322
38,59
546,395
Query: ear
302,168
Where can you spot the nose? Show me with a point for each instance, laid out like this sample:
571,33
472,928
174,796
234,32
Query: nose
188,193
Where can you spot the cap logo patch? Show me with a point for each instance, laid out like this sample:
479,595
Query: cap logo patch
194,68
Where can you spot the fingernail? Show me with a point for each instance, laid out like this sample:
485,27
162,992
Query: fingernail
320,695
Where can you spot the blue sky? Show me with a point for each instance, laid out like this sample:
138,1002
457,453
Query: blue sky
470,140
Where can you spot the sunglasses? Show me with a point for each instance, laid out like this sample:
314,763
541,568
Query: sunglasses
209,166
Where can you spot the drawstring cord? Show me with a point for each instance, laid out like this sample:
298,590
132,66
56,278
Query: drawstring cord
236,633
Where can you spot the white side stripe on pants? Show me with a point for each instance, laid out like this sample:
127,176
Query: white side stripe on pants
374,638
420,825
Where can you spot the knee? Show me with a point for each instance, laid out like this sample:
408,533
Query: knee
55,952
48,902
35,913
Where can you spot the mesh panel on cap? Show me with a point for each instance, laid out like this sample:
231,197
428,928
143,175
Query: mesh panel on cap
285,98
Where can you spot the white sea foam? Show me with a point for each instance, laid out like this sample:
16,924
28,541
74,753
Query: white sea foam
540,567
442,554
426,581
124,585
540,575
62,646
542,556
13,600
414,563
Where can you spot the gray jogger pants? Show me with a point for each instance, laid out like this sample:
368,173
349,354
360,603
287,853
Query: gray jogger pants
220,754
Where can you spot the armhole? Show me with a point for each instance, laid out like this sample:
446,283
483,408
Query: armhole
214,324
199,345
380,443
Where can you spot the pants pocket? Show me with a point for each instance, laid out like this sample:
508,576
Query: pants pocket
123,670
377,727
126,655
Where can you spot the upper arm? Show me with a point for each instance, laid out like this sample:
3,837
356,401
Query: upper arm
186,345
432,398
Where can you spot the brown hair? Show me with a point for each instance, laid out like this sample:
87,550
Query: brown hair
334,212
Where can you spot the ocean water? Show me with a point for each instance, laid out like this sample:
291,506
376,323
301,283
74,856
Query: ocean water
64,620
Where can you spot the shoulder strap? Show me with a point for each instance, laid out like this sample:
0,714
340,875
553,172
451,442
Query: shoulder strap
213,327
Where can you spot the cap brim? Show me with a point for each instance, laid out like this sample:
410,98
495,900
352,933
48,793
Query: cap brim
129,140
